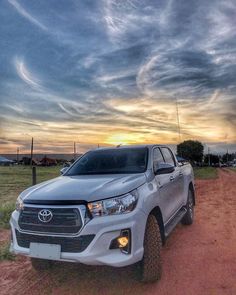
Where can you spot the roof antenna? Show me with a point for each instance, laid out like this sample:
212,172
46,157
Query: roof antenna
177,114
119,145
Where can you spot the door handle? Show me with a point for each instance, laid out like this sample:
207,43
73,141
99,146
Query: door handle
181,174
172,178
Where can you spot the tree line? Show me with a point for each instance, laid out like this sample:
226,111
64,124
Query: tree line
193,151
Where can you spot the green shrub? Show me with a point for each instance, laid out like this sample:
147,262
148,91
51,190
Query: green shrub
5,213
5,254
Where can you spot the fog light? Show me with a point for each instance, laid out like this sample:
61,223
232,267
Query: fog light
123,241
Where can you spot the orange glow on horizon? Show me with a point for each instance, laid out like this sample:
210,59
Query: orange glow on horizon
140,121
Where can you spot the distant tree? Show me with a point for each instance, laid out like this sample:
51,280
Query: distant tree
228,157
214,159
26,160
191,150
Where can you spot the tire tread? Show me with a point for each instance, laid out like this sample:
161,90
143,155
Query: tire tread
151,266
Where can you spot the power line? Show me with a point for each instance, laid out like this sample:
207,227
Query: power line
17,154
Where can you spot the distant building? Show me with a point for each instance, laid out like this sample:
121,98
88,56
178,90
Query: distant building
48,161
27,161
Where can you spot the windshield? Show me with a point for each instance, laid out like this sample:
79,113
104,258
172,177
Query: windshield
111,161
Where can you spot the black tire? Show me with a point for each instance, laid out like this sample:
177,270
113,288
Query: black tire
41,264
189,216
150,265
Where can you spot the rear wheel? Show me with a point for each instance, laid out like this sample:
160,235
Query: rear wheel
150,265
41,264
188,217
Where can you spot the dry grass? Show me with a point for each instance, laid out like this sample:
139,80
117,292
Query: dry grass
15,179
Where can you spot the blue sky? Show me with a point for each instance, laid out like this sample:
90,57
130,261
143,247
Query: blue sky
109,72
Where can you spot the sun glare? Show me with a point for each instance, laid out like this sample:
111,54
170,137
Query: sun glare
122,138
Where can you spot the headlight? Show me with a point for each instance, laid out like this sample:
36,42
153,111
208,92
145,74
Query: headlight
19,204
114,206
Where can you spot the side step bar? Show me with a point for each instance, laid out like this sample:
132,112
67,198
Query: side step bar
174,221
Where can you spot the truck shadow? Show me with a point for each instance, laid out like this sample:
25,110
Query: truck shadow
95,279
73,278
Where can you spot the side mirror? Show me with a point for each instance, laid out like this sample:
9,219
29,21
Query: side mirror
63,170
164,168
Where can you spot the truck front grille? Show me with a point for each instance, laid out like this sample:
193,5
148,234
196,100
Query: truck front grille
64,220
68,244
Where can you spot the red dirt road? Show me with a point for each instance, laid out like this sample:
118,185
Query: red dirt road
197,259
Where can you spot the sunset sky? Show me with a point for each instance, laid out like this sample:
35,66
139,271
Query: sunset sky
109,72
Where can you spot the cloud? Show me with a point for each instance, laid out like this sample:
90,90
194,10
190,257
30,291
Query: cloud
27,15
111,70
129,21
144,76
25,74
214,97
65,109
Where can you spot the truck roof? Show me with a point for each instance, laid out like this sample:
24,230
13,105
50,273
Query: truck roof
149,146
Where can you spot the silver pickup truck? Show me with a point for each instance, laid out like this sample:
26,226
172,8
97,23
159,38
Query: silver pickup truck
113,206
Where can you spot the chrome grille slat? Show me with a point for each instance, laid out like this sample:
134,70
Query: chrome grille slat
64,220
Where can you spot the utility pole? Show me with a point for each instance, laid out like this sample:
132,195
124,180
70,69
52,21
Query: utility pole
17,155
178,122
32,151
209,160
74,150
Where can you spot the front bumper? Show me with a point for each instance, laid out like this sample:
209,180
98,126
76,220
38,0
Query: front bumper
105,230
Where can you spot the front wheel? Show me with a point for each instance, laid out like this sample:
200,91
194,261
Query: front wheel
150,265
188,217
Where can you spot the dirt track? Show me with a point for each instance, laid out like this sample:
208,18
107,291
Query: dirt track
198,259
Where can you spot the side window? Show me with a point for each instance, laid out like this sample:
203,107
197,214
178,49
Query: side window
157,157
168,156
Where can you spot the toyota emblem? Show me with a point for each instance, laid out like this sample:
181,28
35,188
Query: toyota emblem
45,215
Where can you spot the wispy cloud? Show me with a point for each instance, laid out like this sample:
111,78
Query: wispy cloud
214,97
68,112
22,11
110,70
143,79
25,74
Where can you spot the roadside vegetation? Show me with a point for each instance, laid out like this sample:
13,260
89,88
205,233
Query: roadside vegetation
233,168
5,213
205,172
5,254
13,180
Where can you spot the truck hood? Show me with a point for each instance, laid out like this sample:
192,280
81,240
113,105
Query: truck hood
86,188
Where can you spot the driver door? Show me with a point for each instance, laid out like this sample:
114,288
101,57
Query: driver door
167,184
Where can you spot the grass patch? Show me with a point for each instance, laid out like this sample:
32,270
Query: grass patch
5,254
232,169
205,172
15,179
5,213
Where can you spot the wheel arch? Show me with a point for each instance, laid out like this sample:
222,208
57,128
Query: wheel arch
156,211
